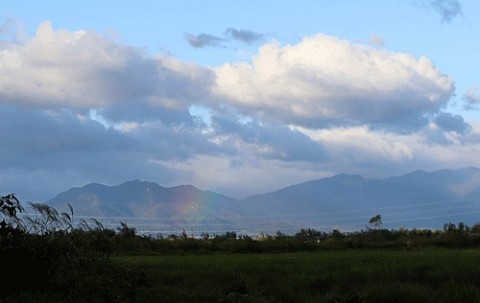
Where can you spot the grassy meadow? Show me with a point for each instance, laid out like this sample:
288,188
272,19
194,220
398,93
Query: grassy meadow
429,275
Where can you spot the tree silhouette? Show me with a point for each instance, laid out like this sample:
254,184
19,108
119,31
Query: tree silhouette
375,222
9,207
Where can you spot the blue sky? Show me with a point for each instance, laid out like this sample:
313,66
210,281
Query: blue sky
238,97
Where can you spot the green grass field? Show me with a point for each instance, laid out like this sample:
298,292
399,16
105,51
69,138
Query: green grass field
430,275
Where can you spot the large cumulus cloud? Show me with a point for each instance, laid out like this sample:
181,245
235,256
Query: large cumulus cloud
83,70
325,81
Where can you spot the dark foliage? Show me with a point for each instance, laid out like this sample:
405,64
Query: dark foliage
44,256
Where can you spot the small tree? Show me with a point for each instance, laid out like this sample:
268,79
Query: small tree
375,222
125,231
308,234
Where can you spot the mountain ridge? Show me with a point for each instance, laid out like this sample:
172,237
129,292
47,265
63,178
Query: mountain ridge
342,201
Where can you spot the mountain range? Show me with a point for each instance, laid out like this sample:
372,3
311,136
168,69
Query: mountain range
416,200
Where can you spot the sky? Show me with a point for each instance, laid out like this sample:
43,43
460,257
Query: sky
237,97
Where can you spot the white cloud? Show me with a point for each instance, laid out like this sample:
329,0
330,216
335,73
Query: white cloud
376,152
326,80
83,70
359,144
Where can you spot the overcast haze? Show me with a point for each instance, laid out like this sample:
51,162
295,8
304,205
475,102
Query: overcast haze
236,97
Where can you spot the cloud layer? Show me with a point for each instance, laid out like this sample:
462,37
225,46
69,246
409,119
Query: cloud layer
78,107
324,81
83,70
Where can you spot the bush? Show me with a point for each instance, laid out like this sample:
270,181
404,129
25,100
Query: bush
44,256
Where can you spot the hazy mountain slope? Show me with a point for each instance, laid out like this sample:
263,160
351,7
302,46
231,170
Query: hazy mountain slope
148,205
418,199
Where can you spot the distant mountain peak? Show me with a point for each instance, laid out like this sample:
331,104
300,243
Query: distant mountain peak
343,201
137,182
134,181
185,186
343,176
